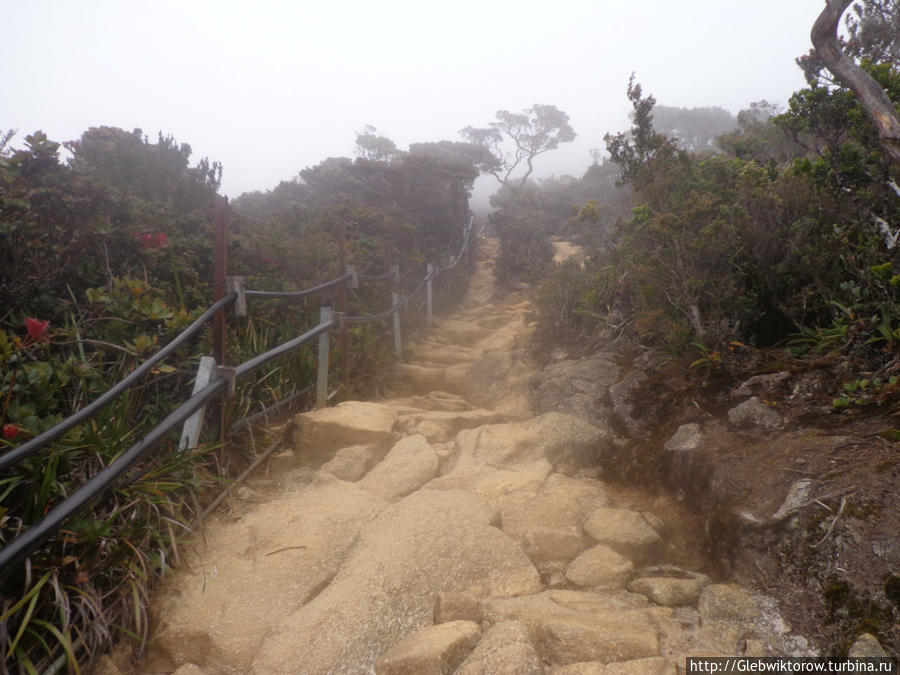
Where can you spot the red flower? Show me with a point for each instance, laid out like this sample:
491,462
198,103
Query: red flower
10,431
37,329
153,240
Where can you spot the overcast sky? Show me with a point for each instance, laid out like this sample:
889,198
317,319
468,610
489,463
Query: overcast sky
268,88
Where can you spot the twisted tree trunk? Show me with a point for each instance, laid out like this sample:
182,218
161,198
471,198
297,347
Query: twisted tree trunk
874,100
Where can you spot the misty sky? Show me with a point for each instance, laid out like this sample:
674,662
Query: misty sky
269,88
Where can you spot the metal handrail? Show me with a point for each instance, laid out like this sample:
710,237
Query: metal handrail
249,419
281,350
82,497
16,455
374,317
294,295
35,535
376,277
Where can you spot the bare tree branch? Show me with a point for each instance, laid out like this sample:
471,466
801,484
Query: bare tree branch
874,100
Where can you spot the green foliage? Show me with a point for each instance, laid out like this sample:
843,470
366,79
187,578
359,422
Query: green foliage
105,259
784,231
525,250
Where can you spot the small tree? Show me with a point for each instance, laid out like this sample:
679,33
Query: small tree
515,139
636,149
376,148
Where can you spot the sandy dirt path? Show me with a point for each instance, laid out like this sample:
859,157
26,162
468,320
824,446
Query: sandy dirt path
446,529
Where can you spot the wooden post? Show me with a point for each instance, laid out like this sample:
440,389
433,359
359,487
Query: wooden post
322,365
342,306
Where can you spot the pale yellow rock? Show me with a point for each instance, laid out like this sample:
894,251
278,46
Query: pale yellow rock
603,601
867,646
352,463
455,606
105,666
491,483
220,606
669,591
446,355
614,639
567,635
315,436
624,530
583,668
600,567
419,379
547,521
727,602
652,665
725,637
430,542
461,332
409,464
440,425
434,649
189,669
440,400
506,649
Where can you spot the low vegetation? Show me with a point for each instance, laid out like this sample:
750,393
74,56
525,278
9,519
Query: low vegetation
106,258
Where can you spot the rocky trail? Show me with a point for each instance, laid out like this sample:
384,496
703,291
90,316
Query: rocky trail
450,529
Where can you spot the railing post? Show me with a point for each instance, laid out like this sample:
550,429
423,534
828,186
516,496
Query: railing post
429,270
395,298
190,432
237,285
322,365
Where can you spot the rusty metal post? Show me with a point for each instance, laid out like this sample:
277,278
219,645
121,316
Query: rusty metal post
342,306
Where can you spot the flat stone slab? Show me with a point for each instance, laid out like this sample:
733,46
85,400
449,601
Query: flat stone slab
565,635
669,591
506,649
431,542
352,463
727,602
315,436
600,567
434,649
217,610
652,665
440,425
408,465
624,530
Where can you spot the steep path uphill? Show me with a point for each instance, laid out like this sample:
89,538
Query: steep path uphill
447,530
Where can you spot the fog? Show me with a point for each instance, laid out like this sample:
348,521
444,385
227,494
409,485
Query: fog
268,88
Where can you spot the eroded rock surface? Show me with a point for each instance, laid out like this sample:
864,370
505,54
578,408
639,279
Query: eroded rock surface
456,527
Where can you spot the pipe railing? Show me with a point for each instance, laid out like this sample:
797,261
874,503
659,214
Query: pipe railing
221,383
